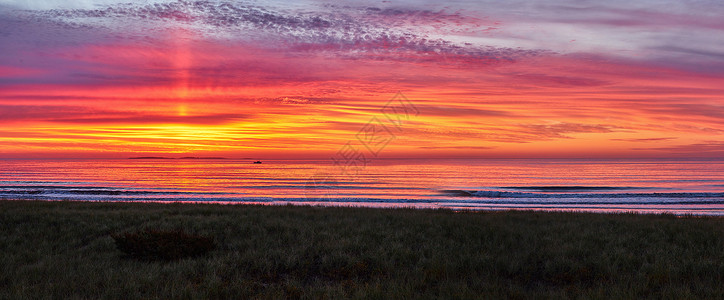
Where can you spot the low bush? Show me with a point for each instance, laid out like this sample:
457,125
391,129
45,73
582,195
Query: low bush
163,244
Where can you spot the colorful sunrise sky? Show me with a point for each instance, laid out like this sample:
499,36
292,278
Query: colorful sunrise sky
276,79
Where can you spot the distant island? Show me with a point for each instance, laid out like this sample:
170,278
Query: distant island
185,157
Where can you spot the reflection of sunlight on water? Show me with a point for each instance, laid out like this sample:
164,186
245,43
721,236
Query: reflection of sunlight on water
385,183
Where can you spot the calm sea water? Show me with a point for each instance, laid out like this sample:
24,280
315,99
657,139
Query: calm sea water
681,187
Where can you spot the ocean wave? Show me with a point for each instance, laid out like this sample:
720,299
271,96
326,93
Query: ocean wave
82,190
567,188
507,194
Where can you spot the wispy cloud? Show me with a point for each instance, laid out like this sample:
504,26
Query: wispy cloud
645,140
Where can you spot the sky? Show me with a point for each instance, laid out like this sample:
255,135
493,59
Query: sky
394,79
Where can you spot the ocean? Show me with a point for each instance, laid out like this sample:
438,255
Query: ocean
657,186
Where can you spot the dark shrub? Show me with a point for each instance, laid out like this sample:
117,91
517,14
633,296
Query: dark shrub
163,244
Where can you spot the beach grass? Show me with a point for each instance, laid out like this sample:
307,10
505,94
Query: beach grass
65,250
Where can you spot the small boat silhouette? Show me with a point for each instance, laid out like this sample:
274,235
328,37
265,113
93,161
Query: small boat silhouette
257,162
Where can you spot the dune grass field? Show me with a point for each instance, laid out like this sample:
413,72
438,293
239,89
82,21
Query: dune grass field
65,250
